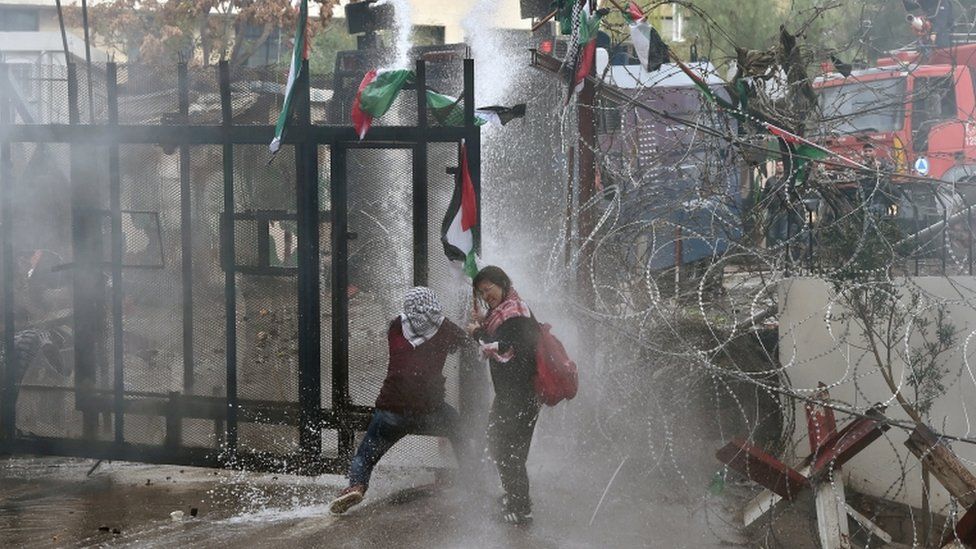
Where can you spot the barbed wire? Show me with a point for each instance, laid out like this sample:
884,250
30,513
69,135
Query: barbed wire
707,313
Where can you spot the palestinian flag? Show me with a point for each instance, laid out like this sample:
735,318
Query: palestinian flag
801,151
449,111
375,96
299,53
586,50
803,157
460,226
651,49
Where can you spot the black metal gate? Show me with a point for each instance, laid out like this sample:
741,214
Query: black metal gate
170,296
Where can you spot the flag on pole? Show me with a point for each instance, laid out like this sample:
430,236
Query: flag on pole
449,111
640,32
299,53
586,50
650,48
460,226
375,96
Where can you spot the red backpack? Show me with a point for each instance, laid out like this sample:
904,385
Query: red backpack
556,375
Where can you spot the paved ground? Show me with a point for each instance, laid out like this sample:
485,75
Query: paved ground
50,502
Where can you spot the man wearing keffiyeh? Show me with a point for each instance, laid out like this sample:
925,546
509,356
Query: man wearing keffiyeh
412,396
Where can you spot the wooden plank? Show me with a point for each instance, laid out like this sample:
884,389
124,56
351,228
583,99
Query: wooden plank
943,464
759,506
867,524
762,468
831,506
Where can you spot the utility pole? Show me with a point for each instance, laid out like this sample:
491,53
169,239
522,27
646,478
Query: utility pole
586,122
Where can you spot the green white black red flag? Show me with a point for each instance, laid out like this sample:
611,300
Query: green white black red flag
651,50
460,228
299,53
375,96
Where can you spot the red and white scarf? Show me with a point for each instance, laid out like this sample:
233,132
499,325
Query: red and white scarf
510,307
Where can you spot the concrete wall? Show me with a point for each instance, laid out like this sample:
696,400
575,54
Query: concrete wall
815,346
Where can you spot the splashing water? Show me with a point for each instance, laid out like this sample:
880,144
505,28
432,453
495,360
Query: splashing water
493,75
403,24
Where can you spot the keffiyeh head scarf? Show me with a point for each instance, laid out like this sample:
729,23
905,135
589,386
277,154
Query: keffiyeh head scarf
421,316
511,306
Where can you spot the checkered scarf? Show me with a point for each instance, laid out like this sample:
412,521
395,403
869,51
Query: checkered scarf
421,315
510,307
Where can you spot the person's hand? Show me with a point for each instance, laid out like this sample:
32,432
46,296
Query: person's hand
472,327
488,350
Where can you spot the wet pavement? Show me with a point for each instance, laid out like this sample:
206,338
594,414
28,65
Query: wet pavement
52,502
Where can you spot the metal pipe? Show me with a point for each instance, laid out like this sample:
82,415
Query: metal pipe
91,99
420,198
309,295
64,35
230,281
8,412
969,247
472,146
186,233
115,207
340,297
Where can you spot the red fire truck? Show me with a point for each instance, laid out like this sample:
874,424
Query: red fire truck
917,109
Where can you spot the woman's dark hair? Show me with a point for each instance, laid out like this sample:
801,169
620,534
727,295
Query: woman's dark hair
494,275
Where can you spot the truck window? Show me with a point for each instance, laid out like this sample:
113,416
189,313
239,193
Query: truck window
875,106
933,100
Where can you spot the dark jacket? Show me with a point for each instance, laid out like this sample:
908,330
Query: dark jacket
414,381
514,379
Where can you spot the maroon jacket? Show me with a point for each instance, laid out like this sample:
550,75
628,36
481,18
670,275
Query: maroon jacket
414,381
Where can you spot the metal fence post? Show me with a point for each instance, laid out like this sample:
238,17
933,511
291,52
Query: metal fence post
186,233
915,226
969,243
230,280
309,304
420,196
9,391
340,301
115,194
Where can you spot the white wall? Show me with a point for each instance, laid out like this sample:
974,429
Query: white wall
817,348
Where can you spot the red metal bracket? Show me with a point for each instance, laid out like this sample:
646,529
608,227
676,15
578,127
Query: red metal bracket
848,442
764,469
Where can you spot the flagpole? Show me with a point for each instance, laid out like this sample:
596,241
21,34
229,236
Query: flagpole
544,20
586,128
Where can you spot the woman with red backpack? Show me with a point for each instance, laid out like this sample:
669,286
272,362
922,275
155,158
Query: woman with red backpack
508,335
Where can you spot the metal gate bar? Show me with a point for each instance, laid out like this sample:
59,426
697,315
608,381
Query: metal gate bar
115,206
7,426
227,412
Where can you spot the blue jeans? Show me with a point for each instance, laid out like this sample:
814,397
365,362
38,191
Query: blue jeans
386,428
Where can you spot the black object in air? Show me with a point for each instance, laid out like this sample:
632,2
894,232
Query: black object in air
842,67
365,17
